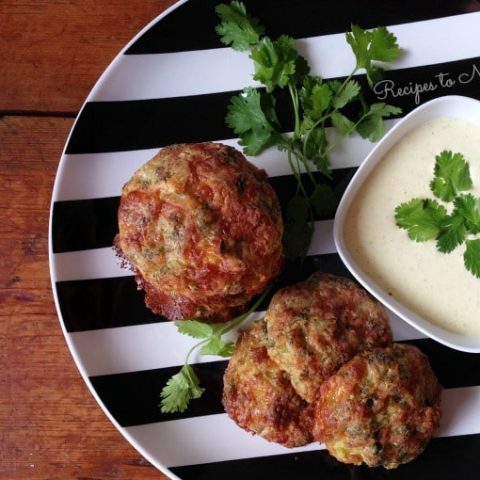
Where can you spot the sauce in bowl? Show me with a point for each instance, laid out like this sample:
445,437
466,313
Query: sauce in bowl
433,284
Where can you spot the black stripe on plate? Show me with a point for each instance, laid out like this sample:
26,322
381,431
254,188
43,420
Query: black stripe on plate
191,26
445,458
103,303
133,398
140,124
116,302
84,224
92,223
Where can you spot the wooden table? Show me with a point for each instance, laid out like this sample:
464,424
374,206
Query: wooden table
51,54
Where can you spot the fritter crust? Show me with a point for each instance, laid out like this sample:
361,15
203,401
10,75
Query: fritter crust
202,229
258,395
381,408
317,325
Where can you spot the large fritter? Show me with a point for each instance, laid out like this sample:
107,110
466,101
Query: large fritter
317,325
381,408
202,229
259,397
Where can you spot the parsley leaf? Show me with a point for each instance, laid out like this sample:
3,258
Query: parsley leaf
179,390
452,174
471,257
237,28
421,218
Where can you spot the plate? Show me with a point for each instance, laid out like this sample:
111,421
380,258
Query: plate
171,84
452,106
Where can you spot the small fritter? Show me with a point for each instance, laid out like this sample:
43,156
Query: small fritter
317,325
259,397
202,229
381,408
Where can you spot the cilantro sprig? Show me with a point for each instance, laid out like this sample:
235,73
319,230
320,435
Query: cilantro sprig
427,219
185,386
316,105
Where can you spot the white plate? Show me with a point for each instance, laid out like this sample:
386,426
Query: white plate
462,108
172,83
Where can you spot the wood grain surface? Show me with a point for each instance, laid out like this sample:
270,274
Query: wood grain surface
51,54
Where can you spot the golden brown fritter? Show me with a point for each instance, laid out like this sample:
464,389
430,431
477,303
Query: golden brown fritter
381,408
317,325
202,229
258,395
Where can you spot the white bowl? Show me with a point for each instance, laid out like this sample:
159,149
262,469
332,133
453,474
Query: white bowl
464,108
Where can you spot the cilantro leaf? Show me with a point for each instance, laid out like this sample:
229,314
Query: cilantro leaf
452,233
276,61
471,257
315,97
371,125
421,218
315,149
298,231
383,45
371,47
216,346
194,328
452,174
179,390
345,95
343,124
468,207
314,102
427,219
252,117
237,28
185,385
324,200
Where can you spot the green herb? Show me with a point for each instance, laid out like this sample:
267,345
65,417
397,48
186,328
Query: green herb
238,29
427,219
185,386
421,218
471,257
316,104
452,175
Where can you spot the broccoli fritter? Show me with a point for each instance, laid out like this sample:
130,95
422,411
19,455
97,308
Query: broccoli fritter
258,395
201,228
317,325
381,408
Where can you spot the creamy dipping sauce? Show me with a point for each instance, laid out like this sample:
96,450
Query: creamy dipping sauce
434,285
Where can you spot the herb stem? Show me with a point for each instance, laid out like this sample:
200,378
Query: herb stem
296,109
354,126
293,168
235,322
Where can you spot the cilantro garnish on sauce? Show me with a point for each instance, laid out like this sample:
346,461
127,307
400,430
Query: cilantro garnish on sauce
427,219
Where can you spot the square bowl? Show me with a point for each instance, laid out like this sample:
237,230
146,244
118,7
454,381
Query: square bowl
463,108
